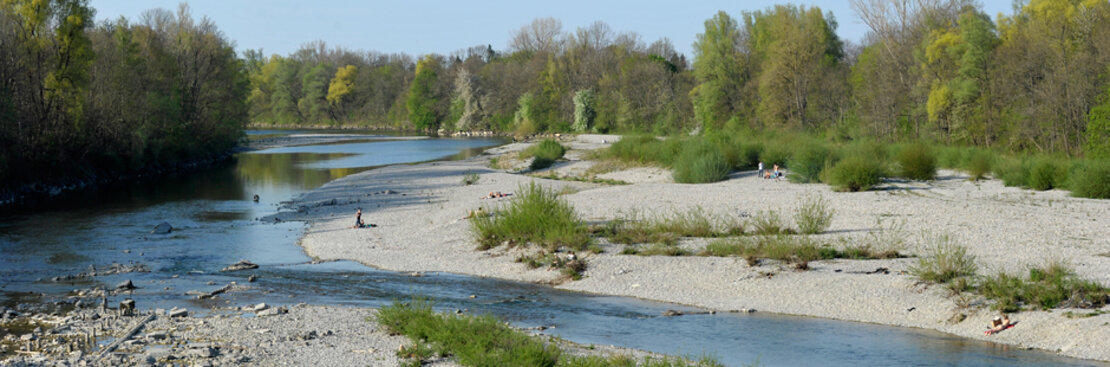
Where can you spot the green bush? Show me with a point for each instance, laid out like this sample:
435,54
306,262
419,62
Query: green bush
536,216
1013,171
545,153
1091,179
1045,174
774,153
700,162
917,162
978,163
944,262
855,173
1053,286
646,149
807,163
814,215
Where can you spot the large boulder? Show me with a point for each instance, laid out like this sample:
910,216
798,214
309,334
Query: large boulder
162,228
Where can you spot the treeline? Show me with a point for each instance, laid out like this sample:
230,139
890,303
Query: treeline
78,99
938,70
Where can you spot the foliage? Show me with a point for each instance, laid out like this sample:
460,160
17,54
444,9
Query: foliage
1053,286
917,162
472,340
1091,179
584,110
545,153
700,162
808,161
534,216
814,214
635,229
422,96
855,173
1044,174
115,98
1013,171
944,262
769,223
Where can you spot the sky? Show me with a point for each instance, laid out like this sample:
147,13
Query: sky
418,27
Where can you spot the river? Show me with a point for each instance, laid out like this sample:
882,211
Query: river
215,224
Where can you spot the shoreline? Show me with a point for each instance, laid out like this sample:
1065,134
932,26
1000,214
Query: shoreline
419,211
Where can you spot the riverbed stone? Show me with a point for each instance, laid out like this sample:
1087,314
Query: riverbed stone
241,265
162,228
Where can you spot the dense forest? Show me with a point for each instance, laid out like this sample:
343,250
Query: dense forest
938,70
116,97
121,96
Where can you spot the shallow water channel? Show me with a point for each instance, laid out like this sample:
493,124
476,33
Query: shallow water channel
215,224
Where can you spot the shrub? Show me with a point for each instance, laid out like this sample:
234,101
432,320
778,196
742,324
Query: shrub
545,153
978,163
1091,180
1053,286
944,262
814,215
855,173
644,149
536,216
775,153
700,162
1013,172
1040,174
807,163
917,162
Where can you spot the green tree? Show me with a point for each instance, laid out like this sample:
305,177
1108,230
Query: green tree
421,102
1098,128
584,112
719,69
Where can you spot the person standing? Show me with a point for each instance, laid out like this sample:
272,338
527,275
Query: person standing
760,168
358,219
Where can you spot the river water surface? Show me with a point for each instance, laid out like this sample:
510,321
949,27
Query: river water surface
215,224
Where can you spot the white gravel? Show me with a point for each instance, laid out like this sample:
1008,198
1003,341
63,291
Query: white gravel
420,210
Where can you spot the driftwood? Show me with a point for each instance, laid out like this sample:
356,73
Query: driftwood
130,333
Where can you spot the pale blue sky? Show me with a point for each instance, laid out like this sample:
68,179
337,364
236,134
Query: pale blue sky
418,27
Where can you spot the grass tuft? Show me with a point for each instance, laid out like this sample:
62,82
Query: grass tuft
944,262
535,215
701,162
814,214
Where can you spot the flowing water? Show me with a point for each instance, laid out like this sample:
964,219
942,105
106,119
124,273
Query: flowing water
215,224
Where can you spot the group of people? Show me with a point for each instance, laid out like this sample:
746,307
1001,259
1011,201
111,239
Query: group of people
772,174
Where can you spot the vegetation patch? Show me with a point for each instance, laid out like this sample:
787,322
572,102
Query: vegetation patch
770,223
855,173
535,215
470,178
814,214
635,229
1091,179
544,154
795,250
701,162
1052,286
486,341
917,162
944,262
